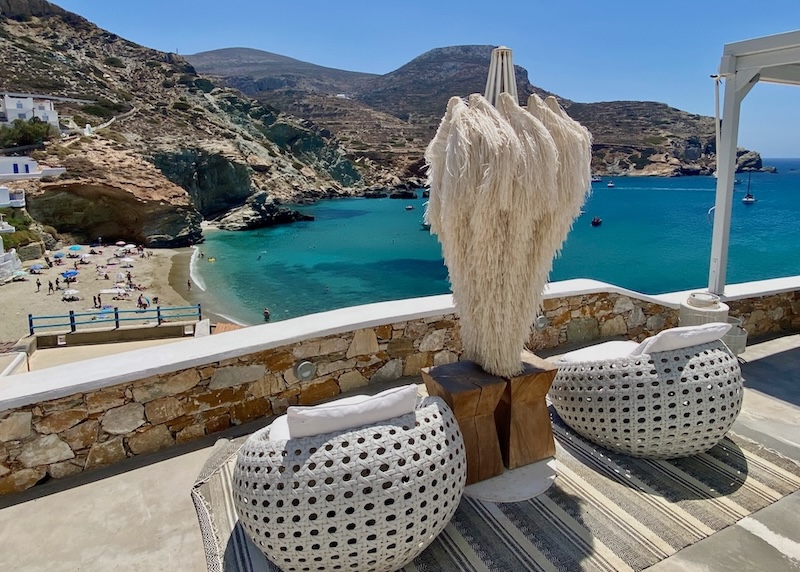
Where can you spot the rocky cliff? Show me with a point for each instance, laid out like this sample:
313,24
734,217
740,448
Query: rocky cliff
164,138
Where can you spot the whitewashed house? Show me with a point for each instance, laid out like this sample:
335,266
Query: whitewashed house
20,168
16,169
9,261
14,107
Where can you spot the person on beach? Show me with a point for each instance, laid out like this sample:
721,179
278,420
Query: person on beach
50,288
266,314
94,301
189,284
99,302
58,285
38,284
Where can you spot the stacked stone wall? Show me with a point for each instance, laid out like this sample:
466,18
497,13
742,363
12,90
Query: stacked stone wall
62,437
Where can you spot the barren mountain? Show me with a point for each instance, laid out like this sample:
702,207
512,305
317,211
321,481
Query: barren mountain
390,118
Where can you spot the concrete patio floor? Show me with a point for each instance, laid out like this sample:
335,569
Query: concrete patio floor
138,516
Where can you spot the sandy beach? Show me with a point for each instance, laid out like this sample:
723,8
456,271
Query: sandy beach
163,275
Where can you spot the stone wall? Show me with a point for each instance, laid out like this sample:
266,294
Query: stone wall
65,436
81,432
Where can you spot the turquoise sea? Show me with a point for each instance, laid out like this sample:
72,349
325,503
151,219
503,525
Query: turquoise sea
655,237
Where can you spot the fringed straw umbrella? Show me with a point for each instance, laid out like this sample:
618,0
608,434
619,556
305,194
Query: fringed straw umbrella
505,187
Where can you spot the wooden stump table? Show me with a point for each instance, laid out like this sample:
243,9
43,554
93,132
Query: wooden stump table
523,421
473,396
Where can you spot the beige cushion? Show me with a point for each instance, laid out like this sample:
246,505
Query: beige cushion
346,413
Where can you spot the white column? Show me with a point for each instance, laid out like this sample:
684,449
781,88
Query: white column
737,86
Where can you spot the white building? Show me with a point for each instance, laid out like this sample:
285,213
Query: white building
16,169
9,198
14,107
9,261
20,168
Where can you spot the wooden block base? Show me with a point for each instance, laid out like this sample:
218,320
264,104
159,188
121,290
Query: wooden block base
522,418
473,396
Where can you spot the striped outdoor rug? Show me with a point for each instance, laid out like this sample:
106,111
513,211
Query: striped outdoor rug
605,512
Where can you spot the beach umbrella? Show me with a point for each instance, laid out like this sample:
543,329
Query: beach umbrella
75,247
69,274
126,259
37,266
120,243
130,247
58,255
18,274
505,186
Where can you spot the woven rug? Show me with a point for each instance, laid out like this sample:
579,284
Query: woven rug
605,511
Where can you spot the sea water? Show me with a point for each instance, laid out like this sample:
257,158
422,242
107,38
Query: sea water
655,237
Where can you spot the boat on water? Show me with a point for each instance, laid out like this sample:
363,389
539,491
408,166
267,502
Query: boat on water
409,207
597,178
748,198
610,184
597,221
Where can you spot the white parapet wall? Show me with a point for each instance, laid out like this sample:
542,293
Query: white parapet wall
80,416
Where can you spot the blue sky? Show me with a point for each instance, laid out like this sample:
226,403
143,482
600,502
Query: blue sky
585,51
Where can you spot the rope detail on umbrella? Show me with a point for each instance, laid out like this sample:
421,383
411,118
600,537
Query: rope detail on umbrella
505,187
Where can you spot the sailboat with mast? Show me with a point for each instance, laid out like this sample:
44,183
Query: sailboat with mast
748,198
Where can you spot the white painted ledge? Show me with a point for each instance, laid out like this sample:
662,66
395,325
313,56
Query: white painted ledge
93,374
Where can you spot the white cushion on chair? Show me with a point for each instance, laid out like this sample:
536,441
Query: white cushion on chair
607,350
682,337
346,413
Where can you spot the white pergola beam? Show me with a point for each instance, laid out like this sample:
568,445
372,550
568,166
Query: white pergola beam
743,64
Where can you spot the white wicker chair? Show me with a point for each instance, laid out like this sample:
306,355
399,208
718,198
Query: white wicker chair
663,405
365,499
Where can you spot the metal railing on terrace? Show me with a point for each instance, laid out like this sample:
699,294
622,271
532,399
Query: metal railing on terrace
116,317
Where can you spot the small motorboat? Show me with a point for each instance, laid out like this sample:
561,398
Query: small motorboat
409,207
597,178
597,221
610,184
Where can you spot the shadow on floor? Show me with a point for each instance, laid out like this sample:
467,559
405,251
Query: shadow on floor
777,375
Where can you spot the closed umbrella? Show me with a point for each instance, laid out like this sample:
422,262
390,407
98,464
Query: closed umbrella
505,186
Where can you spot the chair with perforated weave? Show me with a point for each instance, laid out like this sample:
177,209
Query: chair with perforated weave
674,395
366,498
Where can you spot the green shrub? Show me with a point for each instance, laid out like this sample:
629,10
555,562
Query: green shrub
203,85
181,106
28,132
114,62
167,84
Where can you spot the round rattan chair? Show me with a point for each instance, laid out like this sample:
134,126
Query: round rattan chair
364,499
662,405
